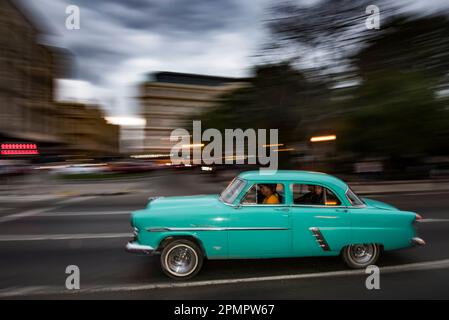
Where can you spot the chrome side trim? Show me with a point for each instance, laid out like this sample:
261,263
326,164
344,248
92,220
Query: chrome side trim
319,238
326,217
215,229
264,205
157,229
418,241
319,206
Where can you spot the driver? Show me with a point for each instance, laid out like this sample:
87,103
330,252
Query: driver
269,192
314,196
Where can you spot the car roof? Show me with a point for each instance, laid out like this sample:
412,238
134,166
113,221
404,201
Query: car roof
295,175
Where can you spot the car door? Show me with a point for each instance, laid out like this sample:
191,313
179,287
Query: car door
258,230
319,228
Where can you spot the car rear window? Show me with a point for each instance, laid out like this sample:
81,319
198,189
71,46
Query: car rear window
315,195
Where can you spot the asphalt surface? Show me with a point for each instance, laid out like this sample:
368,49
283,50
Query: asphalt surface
39,239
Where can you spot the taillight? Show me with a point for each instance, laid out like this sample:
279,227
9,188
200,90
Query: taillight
418,217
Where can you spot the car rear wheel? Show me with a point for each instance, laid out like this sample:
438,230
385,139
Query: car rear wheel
357,256
181,259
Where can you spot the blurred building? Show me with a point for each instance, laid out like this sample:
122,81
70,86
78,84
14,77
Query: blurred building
85,131
28,110
131,139
27,70
171,100
131,133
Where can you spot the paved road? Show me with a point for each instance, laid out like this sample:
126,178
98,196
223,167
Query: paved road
38,239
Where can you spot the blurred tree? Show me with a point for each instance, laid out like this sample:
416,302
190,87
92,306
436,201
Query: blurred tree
321,34
277,97
397,110
395,114
408,43
393,107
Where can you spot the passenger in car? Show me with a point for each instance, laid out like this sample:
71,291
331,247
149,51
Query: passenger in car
269,192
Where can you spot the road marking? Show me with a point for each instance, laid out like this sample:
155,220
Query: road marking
85,213
75,200
24,214
34,212
433,220
75,236
399,193
27,198
49,290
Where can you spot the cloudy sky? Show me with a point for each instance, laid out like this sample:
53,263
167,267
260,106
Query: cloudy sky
122,40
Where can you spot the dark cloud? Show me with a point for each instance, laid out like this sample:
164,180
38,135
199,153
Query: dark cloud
168,15
120,40
106,25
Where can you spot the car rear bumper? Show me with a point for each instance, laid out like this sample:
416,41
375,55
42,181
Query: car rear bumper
418,241
135,247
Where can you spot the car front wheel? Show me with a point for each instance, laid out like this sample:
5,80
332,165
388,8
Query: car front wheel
181,259
357,256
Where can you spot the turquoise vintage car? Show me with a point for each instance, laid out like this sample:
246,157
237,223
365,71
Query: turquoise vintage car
284,214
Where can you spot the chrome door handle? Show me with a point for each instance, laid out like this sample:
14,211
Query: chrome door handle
282,209
341,210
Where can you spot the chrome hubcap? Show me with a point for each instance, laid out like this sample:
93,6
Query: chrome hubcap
181,260
362,253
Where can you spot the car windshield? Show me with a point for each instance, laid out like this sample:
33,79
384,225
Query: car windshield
353,198
232,190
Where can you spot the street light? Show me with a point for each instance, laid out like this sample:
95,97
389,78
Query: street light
323,138
126,121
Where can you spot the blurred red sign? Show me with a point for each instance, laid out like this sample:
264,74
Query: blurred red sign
18,149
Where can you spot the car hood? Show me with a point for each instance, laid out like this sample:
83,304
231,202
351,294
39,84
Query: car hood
185,202
378,204
190,211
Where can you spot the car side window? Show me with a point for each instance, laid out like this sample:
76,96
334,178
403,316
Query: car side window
265,194
310,194
353,198
331,199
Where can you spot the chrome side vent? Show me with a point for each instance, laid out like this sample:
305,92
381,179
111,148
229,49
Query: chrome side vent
319,238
